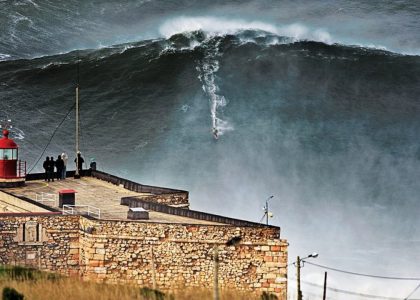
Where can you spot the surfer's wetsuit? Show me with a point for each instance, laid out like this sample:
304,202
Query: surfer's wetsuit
215,133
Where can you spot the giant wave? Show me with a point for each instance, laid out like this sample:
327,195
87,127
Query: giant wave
330,129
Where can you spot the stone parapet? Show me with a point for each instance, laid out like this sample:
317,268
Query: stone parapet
156,194
171,199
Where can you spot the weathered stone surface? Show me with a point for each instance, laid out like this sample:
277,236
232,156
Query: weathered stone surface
131,252
50,250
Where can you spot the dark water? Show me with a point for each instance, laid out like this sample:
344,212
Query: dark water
331,129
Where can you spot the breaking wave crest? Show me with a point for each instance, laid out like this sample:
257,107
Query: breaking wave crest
4,56
222,26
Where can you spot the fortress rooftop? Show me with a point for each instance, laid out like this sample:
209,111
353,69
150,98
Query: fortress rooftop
109,229
104,196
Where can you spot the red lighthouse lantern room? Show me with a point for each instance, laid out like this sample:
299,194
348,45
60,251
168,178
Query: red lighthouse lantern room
12,170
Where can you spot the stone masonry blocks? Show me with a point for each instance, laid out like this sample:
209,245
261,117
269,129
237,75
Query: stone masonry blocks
131,252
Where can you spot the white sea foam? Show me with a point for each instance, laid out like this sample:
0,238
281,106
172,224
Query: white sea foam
26,2
292,32
53,64
208,67
185,108
4,56
17,19
216,26
18,133
377,47
141,145
210,24
33,3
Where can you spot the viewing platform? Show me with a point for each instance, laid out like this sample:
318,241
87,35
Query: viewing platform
103,196
90,191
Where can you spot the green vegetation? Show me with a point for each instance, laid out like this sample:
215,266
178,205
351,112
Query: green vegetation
19,283
151,294
19,273
11,294
268,296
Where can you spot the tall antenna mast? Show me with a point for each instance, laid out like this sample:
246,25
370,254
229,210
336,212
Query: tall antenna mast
267,213
76,174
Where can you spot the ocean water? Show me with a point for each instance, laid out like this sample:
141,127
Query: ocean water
315,102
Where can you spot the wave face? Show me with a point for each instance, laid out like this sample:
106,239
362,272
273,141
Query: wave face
331,130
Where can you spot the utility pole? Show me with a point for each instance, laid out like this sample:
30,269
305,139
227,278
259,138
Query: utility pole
267,214
325,287
152,256
299,293
216,273
76,174
298,266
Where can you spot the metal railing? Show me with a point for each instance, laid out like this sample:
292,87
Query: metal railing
188,213
89,210
21,169
46,197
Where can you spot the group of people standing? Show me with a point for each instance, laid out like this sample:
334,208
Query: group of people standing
60,165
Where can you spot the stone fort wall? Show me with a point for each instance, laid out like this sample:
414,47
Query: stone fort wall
45,241
168,256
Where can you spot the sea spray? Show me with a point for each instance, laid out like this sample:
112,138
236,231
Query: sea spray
222,26
207,68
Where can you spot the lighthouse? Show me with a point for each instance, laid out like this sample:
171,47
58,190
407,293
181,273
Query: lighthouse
12,170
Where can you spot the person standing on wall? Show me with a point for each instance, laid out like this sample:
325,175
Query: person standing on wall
65,158
79,163
51,168
59,164
46,166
